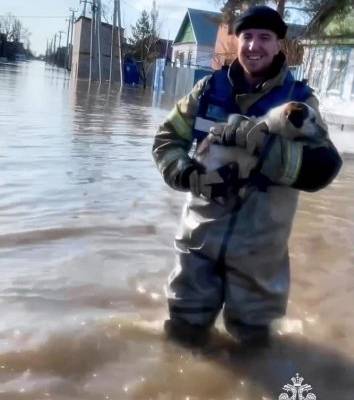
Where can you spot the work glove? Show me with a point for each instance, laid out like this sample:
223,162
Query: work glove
242,132
220,183
231,133
256,138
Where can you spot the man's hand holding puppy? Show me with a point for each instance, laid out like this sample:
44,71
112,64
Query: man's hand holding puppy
292,120
214,184
240,131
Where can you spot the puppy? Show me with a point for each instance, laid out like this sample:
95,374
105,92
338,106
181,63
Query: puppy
293,120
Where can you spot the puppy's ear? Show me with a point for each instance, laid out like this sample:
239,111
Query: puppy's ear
296,113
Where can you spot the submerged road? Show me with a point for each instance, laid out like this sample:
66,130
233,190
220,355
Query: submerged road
86,244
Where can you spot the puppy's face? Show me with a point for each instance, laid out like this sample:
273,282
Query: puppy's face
296,113
304,119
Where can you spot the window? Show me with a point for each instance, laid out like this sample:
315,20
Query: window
189,58
317,68
340,56
181,58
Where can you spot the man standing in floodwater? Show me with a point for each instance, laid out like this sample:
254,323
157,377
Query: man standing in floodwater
230,255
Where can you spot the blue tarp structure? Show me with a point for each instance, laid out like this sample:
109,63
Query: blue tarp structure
131,72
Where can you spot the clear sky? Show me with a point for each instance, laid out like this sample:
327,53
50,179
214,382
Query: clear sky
44,18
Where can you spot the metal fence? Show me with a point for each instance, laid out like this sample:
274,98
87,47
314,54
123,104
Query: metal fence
174,81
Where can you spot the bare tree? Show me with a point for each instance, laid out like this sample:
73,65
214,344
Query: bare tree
154,15
6,22
16,31
13,29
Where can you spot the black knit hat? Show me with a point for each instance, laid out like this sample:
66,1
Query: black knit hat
261,17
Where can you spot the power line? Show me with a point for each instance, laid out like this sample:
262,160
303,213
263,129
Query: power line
34,16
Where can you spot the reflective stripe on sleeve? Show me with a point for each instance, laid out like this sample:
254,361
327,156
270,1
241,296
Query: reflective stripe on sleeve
203,125
169,157
293,161
183,126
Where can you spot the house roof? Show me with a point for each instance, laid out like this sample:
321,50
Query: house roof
204,24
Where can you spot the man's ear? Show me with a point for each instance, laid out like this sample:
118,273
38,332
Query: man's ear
279,45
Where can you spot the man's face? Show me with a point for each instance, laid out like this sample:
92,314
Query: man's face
256,50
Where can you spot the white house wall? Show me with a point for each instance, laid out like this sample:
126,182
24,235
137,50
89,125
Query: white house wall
185,48
205,56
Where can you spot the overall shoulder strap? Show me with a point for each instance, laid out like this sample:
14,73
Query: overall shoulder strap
215,105
219,92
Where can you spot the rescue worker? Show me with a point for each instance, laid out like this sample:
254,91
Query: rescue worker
234,256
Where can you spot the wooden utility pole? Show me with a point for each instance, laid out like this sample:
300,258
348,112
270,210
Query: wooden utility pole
167,46
60,33
154,16
54,48
55,43
67,45
120,45
71,37
114,22
47,51
84,9
59,52
98,22
116,16
50,50
92,42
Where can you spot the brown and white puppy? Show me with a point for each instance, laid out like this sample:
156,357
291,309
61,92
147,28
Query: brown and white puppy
293,120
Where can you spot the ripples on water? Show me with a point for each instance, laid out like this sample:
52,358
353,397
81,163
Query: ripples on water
86,244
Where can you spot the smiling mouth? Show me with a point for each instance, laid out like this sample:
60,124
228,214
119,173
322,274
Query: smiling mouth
254,58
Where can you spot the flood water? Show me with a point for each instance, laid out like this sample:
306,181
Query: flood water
86,244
